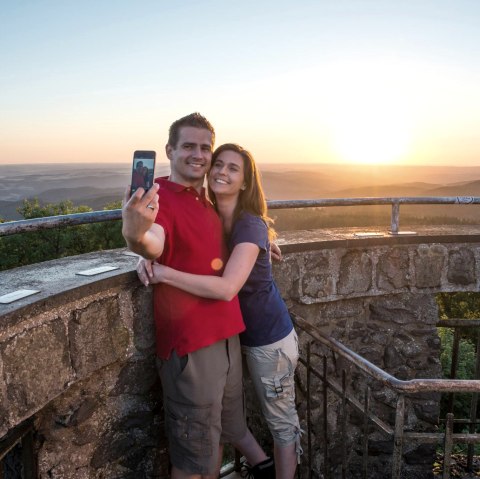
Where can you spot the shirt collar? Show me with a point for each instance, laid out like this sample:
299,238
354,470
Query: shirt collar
164,182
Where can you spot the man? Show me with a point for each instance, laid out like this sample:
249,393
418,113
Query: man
138,176
197,339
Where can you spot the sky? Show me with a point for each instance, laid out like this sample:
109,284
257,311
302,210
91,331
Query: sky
310,81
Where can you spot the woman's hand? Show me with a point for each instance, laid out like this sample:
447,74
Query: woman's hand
275,253
145,271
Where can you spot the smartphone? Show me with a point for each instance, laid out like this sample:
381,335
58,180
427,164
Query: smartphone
143,170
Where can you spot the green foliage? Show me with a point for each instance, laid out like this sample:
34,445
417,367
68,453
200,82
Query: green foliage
34,247
458,306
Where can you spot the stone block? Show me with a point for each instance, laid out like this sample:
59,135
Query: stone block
414,309
136,377
317,279
390,311
143,322
391,357
287,275
461,266
355,273
429,263
36,367
97,336
393,269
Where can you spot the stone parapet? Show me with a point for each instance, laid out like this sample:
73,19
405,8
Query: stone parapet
78,356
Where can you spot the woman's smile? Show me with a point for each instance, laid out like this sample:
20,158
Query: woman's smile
227,171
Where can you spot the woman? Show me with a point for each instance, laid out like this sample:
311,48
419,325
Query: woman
269,342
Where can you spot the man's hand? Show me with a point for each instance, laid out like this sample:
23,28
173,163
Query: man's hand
139,211
145,270
275,253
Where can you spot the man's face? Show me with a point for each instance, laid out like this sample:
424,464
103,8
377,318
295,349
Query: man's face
190,158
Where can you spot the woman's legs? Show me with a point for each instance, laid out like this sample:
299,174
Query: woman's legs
272,369
285,461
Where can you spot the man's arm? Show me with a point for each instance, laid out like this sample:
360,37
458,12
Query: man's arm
142,234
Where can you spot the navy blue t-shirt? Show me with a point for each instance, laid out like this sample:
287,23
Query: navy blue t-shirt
264,312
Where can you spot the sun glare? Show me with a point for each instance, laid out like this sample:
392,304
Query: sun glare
370,137
370,121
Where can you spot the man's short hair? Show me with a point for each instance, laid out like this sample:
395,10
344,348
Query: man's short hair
194,119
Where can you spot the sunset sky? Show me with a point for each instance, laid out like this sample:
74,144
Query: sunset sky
347,81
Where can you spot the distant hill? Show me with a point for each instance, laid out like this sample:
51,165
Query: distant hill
296,185
406,189
95,185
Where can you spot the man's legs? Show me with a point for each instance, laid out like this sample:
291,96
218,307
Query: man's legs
249,447
193,389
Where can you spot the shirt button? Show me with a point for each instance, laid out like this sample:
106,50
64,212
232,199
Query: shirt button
185,436
185,418
196,199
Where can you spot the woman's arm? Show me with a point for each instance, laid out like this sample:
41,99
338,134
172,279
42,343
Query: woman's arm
225,287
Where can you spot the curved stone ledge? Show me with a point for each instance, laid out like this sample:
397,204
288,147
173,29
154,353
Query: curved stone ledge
79,355
335,265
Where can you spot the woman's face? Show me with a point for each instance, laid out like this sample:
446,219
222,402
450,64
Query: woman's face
226,175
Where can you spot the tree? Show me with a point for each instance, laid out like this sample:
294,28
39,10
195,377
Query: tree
33,247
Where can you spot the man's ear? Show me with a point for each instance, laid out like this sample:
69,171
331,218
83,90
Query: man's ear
168,151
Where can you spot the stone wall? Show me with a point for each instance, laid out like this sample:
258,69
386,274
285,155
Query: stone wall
81,361
79,355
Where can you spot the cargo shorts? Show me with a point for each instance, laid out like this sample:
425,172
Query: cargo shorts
272,370
203,403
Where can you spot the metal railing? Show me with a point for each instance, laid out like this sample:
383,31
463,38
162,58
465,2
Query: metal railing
17,457
22,226
404,390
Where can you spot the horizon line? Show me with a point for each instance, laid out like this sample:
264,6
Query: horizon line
166,162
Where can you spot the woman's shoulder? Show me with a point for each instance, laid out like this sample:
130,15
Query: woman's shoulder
247,218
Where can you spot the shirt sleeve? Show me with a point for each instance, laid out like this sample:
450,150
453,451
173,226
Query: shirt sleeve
250,229
164,213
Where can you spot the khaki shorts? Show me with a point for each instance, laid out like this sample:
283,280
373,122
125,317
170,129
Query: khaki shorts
272,369
203,404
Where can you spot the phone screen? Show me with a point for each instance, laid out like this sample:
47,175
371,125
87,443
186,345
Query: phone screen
143,170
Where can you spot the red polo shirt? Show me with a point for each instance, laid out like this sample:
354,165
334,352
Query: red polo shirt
194,244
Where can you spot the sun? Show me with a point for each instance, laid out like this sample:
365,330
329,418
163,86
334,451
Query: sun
370,115
372,137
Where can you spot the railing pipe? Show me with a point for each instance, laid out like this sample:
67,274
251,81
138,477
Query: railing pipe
14,227
398,437
400,386
50,222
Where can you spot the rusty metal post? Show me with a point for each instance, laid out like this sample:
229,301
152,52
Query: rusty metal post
448,445
325,419
344,424
28,459
395,222
309,411
473,407
454,366
398,437
366,408
237,465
